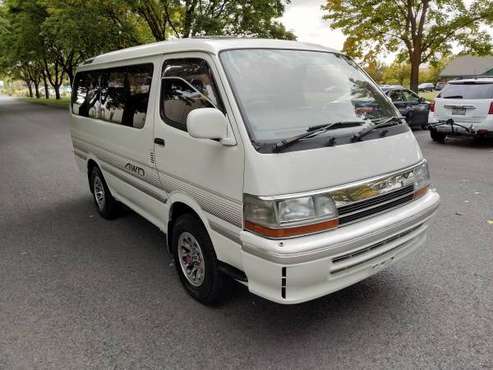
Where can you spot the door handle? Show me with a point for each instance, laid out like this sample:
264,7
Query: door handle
159,141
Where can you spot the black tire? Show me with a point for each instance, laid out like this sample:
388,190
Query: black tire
438,137
213,287
108,206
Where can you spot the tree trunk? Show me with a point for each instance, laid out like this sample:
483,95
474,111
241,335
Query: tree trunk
36,88
47,92
57,91
55,78
414,78
30,88
70,73
188,18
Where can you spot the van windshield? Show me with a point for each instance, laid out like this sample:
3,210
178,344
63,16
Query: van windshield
282,93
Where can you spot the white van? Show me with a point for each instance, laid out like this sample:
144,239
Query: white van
463,108
278,164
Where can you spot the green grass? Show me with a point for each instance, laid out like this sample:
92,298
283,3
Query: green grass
429,95
61,103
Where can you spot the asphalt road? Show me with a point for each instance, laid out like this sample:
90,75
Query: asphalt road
77,291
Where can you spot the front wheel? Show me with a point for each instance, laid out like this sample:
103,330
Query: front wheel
438,137
196,261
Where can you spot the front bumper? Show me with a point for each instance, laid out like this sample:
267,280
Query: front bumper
300,269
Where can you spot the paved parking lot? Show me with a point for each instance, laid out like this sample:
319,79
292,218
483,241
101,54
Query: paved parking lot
77,291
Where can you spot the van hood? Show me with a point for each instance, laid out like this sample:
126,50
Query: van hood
315,169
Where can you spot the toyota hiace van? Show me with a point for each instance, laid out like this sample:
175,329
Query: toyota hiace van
277,164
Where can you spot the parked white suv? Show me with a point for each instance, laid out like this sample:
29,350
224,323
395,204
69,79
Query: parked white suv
463,107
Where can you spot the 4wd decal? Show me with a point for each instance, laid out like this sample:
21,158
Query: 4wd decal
135,169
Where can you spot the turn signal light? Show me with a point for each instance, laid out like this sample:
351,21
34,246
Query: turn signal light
419,193
288,232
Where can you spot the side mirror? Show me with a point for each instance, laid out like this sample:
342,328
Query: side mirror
209,123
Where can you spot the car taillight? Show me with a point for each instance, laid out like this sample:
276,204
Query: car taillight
432,106
491,108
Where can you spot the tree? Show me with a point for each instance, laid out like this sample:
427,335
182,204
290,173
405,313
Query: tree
397,73
72,38
374,68
42,41
189,18
20,45
420,30
3,23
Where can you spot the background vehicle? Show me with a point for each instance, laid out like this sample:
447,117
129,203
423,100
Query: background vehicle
426,86
440,85
410,105
463,108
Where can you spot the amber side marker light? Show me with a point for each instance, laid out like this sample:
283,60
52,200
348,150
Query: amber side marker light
419,193
291,231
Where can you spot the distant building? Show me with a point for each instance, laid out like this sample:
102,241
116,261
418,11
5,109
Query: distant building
468,66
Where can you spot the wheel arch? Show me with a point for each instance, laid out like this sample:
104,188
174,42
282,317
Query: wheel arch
90,164
180,204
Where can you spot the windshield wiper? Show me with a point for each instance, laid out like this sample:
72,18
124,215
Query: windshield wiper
453,97
311,131
384,123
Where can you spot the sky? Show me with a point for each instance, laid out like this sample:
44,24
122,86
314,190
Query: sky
304,18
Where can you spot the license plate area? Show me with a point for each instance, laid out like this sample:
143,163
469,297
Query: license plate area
458,111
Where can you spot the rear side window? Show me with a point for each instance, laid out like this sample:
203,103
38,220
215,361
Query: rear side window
467,91
396,95
187,84
409,96
121,95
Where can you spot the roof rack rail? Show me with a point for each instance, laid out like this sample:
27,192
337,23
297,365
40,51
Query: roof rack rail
88,61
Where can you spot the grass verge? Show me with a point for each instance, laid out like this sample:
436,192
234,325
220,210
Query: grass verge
61,103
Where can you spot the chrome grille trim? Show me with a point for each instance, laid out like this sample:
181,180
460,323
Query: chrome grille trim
409,190
351,185
364,214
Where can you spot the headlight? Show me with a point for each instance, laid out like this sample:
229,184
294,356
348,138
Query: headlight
298,209
280,218
422,180
259,211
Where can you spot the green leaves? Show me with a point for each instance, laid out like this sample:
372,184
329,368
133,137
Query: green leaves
188,18
425,30
38,36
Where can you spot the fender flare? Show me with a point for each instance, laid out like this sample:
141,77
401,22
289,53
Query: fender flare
179,197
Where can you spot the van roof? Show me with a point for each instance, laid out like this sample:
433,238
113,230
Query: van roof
208,45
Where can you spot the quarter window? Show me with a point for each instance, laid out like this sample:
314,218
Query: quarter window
187,84
85,96
119,95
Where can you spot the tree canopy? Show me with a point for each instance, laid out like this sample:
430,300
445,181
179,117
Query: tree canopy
43,41
420,31
189,18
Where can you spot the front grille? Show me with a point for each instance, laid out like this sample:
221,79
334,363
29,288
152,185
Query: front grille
356,211
361,256
361,251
